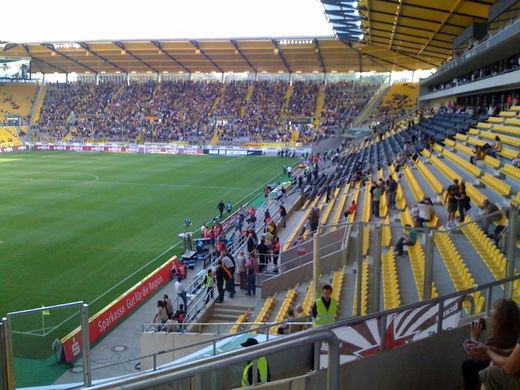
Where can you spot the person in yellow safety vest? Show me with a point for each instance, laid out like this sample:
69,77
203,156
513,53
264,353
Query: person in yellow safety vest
209,282
263,373
325,309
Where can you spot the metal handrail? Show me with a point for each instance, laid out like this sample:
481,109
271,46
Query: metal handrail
218,324
205,342
439,300
195,369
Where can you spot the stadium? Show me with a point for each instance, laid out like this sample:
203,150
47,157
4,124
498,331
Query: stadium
307,194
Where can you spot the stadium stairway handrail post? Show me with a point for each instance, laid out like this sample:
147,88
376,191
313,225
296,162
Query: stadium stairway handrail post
224,360
266,327
195,369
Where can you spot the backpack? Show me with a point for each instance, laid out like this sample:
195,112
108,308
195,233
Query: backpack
467,204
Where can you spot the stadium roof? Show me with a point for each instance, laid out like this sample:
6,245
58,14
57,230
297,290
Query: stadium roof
421,29
306,55
372,35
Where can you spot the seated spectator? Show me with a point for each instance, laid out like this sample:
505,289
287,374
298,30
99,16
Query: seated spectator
490,214
496,147
425,209
502,336
478,154
351,209
408,238
516,160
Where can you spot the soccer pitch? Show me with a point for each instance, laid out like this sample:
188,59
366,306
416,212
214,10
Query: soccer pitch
75,225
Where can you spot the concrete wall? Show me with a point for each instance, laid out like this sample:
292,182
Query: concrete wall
430,364
155,342
498,83
301,360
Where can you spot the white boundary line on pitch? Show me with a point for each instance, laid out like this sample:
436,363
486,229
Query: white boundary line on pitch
155,258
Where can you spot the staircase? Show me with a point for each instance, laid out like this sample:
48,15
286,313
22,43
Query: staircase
249,94
37,104
223,313
320,100
217,101
372,104
215,137
115,96
286,100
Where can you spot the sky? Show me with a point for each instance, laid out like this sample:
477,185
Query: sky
73,20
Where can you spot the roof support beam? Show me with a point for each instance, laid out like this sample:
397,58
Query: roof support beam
158,45
396,22
415,58
320,57
280,54
369,19
26,49
53,49
453,8
122,46
401,33
85,46
235,45
197,46
430,8
415,18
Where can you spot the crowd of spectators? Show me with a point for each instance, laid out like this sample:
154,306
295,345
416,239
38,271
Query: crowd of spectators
392,109
303,99
499,67
193,110
343,102
233,97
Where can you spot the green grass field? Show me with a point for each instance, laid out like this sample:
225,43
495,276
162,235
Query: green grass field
74,225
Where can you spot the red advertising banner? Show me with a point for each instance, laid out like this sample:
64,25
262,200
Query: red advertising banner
107,318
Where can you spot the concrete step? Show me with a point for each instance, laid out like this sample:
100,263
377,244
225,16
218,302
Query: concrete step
232,307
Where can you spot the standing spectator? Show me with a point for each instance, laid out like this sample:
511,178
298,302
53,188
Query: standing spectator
263,254
263,374
276,252
251,243
212,236
451,201
180,315
461,198
251,269
161,315
209,282
229,263
222,275
376,199
241,265
325,309
181,292
168,305
229,207
391,189
314,219
503,330
283,214
220,207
